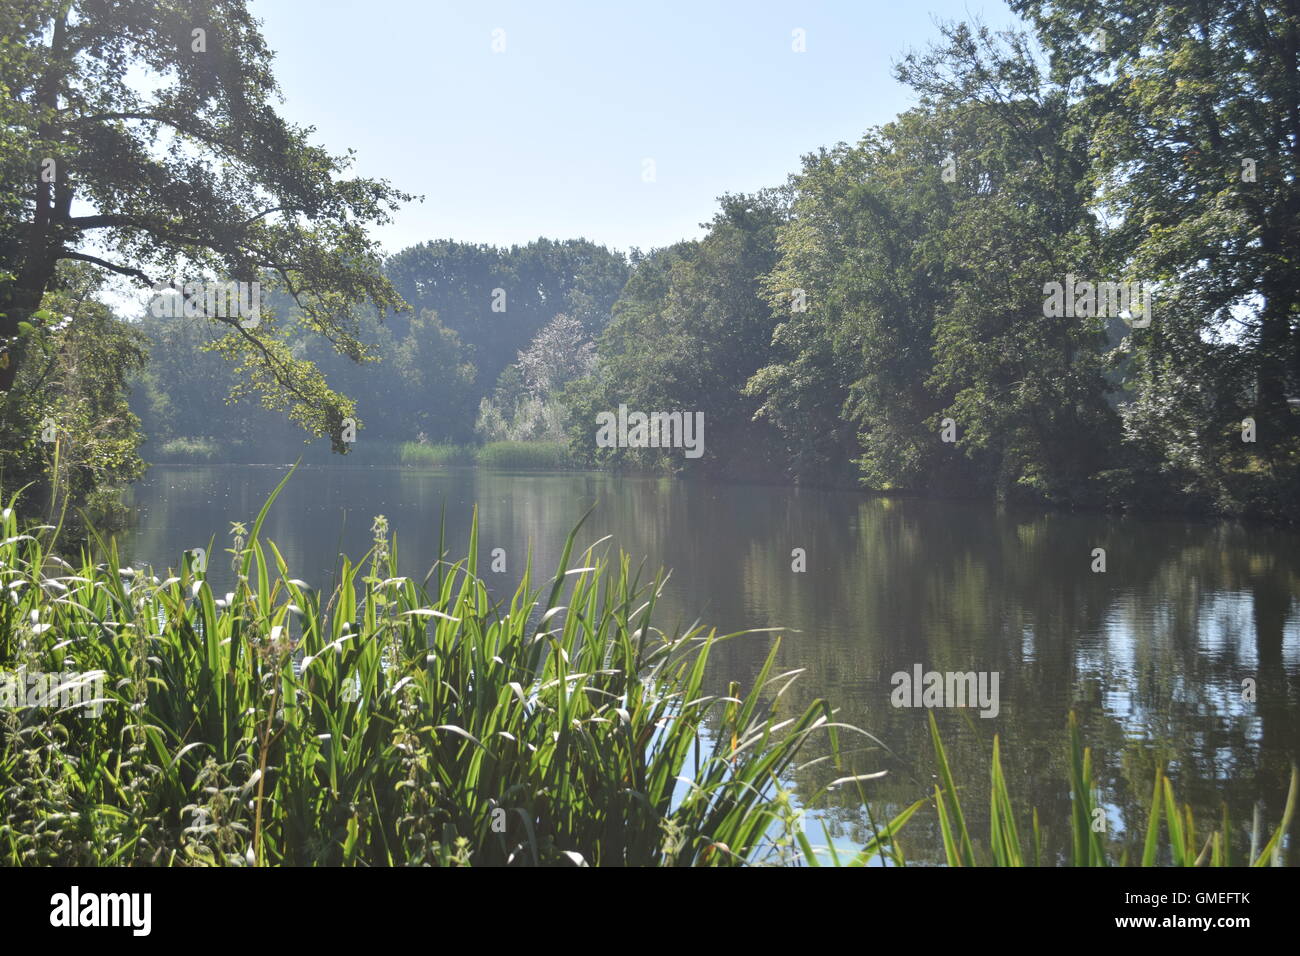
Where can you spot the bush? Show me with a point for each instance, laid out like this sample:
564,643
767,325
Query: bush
188,448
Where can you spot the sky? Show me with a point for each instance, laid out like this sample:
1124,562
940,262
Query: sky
551,133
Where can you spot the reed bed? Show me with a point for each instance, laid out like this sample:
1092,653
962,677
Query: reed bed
501,455
525,455
1170,837
435,456
392,721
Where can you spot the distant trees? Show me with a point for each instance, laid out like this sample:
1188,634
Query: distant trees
426,371
418,379
526,405
497,300
690,329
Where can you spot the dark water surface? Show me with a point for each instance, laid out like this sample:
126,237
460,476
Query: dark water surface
1151,655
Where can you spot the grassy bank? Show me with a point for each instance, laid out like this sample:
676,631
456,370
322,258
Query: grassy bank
505,455
422,721
531,456
540,456
435,456
187,450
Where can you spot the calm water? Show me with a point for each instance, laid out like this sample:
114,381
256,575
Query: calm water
1152,654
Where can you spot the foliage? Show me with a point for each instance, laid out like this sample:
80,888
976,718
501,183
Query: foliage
526,404
536,283
188,449
1007,847
539,455
390,721
430,368
689,330
149,129
435,456
65,423
886,320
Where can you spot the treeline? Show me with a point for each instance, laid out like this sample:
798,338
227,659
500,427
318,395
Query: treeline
424,372
886,317
892,317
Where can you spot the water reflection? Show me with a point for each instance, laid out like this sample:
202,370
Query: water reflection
1152,654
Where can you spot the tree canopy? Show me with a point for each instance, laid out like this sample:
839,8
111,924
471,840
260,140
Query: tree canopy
142,139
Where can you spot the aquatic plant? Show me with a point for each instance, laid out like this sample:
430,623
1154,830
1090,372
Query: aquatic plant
390,721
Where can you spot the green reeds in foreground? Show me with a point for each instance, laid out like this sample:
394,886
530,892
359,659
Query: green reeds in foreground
392,721
1006,847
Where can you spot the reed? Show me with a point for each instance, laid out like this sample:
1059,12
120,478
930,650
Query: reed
436,456
505,455
523,455
391,721
1170,836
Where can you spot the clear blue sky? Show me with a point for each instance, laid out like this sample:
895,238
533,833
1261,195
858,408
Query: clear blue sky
549,136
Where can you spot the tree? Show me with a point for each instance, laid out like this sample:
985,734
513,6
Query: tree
526,404
1025,387
497,300
68,403
910,291
558,354
690,328
158,118
1196,112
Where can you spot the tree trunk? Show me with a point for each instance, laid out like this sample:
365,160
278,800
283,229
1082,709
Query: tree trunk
41,241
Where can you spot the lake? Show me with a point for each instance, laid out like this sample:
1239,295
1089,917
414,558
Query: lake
1184,652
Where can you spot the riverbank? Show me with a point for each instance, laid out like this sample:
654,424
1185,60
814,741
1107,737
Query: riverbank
1125,498
547,456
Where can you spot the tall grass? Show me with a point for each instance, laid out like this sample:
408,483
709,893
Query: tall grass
518,455
436,456
188,449
525,455
1170,836
392,721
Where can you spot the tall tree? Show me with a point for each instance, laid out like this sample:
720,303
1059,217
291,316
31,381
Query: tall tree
919,258
690,329
1025,384
1196,110
142,138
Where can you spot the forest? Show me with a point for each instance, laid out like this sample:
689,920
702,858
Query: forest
881,320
